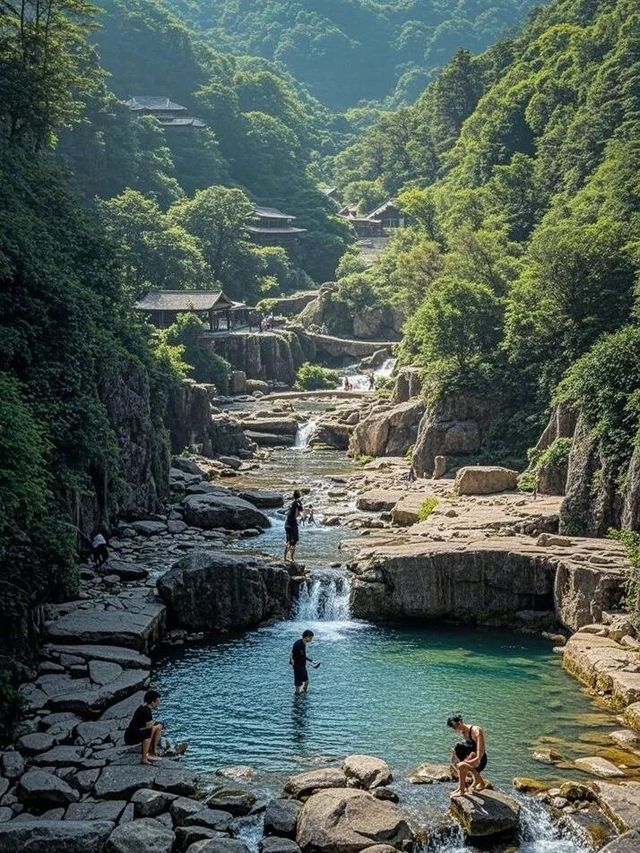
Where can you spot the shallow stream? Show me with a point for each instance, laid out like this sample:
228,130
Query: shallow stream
385,691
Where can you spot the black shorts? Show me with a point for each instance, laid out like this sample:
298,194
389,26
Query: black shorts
463,750
300,676
134,736
291,532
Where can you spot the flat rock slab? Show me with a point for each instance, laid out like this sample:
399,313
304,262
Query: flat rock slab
627,843
39,787
93,700
54,836
378,500
137,629
124,570
141,836
121,781
262,498
429,774
598,767
101,810
348,821
302,785
124,657
210,511
486,814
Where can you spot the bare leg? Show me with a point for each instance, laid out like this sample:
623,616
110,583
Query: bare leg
463,769
156,731
293,553
478,782
145,751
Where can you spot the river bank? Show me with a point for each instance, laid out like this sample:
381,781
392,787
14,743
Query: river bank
81,719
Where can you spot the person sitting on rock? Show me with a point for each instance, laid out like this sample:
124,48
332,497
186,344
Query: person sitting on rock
468,757
298,660
143,730
291,531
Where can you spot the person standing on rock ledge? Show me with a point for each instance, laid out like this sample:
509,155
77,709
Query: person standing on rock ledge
291,531
468,757
298,661
143,730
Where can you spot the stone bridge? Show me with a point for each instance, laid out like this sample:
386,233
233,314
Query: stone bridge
345,347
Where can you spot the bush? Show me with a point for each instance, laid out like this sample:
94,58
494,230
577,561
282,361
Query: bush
207,366
427,507
313,377
553,457
631,541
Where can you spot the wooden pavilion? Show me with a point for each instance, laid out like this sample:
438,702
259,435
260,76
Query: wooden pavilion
211,306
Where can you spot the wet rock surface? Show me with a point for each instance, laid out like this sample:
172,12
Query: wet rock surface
488,814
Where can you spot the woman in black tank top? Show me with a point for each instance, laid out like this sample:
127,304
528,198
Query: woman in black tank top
468,757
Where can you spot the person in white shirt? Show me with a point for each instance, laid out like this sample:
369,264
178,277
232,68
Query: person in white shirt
99,548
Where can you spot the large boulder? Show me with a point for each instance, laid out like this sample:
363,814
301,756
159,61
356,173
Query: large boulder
487,814
302,785
212,510
141,836
42,789
348,821
281,818
408,384
452,426
388,431
485,480
212,592
627,843
330,433
367,771
54,836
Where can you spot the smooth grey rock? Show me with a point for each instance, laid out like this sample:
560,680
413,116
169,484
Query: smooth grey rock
59,756
183,807
4,786
92,810
627,843
186,836
12,765
54,836
219,845
302,785
5,814
36,742
176,780
139,629
96,699
281,817
367,770
235,801
149,528
124,657
209,511
262,498
214,592
85,780
141,836
102,672
124,570
120,782
273,844
94,730
150,803
40,788
211,818
486,814
123,710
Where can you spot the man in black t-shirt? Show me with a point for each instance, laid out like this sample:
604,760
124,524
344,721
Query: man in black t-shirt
291,527
298,660
143,730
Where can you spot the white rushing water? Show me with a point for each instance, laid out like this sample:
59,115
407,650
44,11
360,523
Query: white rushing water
304,434
361,381
324,599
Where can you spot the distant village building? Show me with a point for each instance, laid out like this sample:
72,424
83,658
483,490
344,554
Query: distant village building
272,227
166,112
378,223
213,307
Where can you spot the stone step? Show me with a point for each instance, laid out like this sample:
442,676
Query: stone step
140,628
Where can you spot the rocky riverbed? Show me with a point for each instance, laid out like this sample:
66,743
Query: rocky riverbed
69,783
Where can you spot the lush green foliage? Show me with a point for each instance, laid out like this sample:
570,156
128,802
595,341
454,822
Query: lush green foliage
554,457
312,377
631,541
517,168
427,507
349,50
204,364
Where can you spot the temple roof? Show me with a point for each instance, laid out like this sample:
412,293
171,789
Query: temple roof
184,300
271,213
383,207
154,102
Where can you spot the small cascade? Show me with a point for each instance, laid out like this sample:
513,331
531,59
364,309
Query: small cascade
386,369
324,599
304,434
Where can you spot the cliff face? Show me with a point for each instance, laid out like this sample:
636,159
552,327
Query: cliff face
267,356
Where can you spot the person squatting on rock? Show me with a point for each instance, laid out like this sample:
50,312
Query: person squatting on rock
468,758
298,660
99,547
291,531
143,730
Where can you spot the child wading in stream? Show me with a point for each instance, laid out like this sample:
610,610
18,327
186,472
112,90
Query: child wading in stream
298,660
468,758
291,531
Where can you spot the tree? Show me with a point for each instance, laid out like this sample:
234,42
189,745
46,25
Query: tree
185,334
47,69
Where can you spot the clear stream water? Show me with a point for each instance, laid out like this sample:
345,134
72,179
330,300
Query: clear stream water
380,690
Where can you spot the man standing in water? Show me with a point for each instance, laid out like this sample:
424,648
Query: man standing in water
298,661
291,527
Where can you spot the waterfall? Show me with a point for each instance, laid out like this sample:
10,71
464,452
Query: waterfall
324,599
304,434
386,369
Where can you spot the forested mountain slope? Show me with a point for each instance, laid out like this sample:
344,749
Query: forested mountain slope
352,50
520,173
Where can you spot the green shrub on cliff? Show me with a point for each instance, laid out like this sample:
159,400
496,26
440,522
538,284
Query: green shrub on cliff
313,377
184,340
427,507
